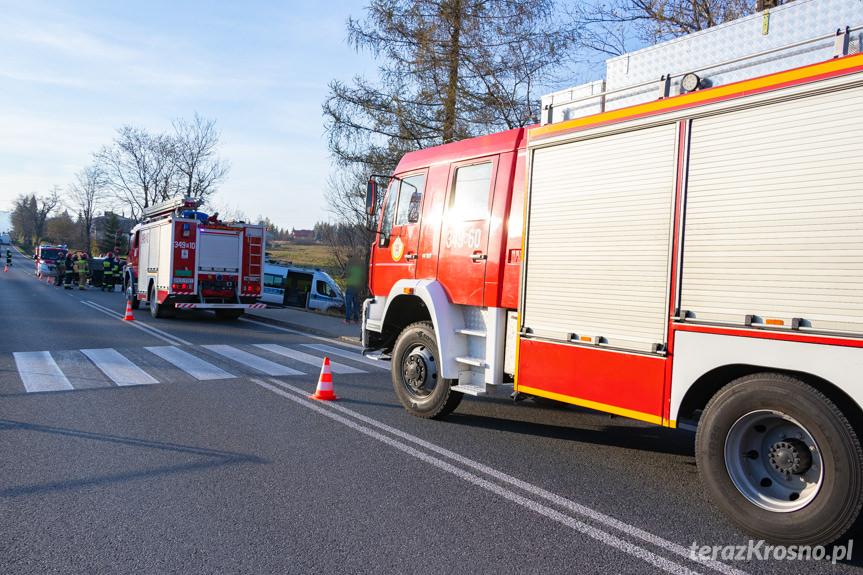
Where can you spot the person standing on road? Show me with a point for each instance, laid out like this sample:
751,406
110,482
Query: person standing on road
116,273
60,269
354,282
108,272
70,271
8,257
82,268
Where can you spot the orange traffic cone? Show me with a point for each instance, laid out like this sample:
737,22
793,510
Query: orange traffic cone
6,269
325,384
129,316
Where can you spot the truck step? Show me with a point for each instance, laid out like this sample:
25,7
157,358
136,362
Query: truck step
470,389
477,390
474,361
473,332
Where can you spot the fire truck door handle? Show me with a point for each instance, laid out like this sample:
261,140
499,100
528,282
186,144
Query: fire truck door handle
478,257
410,257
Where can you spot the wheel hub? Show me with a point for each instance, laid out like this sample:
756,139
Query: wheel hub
790,457
419,370
774,461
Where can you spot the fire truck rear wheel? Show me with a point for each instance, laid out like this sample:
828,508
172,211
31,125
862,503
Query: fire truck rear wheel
156,310
416,378
781,460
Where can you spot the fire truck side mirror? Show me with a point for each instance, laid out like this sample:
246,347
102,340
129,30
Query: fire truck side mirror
371,196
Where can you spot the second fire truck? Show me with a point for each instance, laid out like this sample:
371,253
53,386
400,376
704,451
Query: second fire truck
181,259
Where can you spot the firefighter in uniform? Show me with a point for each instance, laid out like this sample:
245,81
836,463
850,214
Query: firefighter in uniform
60,269
116,271
108,272
70,271
8,257
82,268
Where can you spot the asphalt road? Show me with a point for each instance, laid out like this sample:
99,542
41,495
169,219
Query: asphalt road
189,445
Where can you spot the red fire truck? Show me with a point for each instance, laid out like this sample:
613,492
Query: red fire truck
693,261
181,259
46,258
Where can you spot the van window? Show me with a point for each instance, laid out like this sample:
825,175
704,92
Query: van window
324,289
274,281
410,198
471,186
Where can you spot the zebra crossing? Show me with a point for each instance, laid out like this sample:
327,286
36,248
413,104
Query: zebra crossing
43,371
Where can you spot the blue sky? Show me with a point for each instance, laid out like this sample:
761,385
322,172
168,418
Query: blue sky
72,72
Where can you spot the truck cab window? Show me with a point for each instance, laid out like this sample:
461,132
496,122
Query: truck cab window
410,198
469,198
389,212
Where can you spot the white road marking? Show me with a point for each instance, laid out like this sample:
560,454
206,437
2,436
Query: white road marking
338,368
194,366
155,332
330,350
253,361
118,369
39,372
299,396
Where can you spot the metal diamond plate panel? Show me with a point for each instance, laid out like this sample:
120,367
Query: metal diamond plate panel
704,52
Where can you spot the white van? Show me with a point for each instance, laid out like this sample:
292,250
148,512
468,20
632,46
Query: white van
302,288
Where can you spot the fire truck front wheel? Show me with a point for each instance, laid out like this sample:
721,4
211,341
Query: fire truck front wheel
416,378
131,296
781,460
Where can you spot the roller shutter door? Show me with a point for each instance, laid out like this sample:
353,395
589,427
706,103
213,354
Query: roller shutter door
598,234
774,222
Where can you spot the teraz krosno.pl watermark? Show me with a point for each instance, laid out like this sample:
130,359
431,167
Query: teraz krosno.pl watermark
759,550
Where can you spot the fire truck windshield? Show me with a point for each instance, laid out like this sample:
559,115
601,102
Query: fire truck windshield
51,254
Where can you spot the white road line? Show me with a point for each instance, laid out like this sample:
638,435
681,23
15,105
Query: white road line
194,366
287,330
538,491
330,350
337,368
298,396
253,361
155,332
118,369
39,372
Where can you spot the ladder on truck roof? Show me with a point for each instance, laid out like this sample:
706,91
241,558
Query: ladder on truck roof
167,207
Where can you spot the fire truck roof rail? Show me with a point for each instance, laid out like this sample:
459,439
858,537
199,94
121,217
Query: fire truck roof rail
169,206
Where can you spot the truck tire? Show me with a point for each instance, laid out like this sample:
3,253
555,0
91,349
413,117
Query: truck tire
156,310
131,296
415,374
781,460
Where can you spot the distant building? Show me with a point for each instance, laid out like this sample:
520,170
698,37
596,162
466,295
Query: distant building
308,235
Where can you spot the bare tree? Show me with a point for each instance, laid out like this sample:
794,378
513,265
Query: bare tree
142,169
195,157
138,168
86,195
29,214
